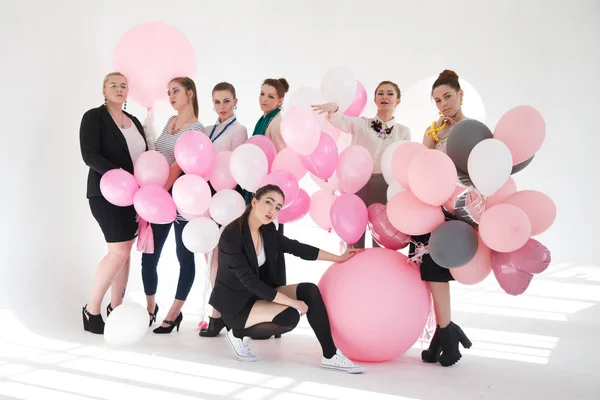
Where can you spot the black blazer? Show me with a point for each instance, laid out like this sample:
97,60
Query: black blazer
103,146
238,277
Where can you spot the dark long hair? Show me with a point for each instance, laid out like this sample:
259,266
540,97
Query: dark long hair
258,195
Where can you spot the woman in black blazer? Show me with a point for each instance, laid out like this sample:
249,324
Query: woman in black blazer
247,292
110,138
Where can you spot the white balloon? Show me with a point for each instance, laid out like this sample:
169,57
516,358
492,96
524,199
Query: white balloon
226,205
339,85
386,161
489,166
248,165
200,235
126,324
306,96
393,189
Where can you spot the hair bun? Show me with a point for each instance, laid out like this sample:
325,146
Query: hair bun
447,73
285,84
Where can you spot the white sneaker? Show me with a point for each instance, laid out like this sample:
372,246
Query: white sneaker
239,347
340,362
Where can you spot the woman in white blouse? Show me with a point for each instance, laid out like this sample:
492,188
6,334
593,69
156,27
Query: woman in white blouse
375,134
226,135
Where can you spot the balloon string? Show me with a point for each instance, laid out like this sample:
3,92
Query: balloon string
420,250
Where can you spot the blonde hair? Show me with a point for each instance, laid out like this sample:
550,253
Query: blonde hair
109,75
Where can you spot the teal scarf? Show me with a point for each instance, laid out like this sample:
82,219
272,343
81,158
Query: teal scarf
263,122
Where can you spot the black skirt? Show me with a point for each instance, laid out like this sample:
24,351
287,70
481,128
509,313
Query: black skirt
238,321
430,271
118,224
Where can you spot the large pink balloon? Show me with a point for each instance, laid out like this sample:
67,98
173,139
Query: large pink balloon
150,55
540,208
523,130
506,190
384,233
118,187
349,217
288,160
195,153
266,145
432,177
154,204
220,176
402,158
410,215
191,194
320,207
385,289
359,103
504,228
301,130
477,269
354,169
324,160
287,182
298,209
151,167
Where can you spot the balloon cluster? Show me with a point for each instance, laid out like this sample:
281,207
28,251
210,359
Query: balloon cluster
468,202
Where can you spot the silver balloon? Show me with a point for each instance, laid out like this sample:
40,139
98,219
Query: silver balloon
469,204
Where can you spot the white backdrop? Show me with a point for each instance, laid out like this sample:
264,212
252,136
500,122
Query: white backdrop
55,54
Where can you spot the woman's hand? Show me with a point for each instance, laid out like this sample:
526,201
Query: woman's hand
348,254
328,108
300,306
449,121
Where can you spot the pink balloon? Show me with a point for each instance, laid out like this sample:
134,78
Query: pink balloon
331,185
354,169
301,130
191,194
533,258
332,131
154,204
384,233
151,167
477,269
118,187
432,177
402,158
410,215
359,103
385,289
266,145
540,208
286,181
349,217
195,153
512,280
523,130
320,207
220,176
504,228
288,160
298,209
324,160
145,55
506,190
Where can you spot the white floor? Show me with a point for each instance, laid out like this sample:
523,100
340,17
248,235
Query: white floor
541,345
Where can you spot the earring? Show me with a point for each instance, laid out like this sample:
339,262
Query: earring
235,107
461,103
439,113
105,101
214,109
125,105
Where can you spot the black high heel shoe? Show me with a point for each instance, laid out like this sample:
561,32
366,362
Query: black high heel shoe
92,322
153,315
215,326
172,324
432,354
450,337
109,309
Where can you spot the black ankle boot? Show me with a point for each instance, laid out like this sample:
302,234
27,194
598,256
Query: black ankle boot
215,326
432,354
92,322
450,336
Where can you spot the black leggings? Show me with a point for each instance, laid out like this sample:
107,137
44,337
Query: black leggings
288,319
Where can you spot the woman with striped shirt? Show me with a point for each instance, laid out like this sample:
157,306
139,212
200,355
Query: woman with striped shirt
184,99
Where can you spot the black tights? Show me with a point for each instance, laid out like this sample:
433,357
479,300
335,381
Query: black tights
288,319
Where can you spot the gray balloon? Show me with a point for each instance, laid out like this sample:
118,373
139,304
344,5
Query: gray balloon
520,166
463,137
453,244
